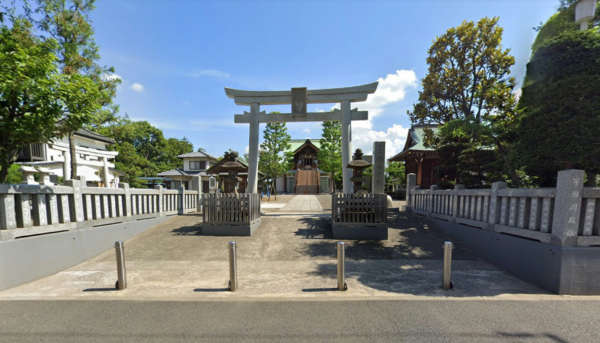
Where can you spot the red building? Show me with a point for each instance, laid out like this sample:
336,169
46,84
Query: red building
418,158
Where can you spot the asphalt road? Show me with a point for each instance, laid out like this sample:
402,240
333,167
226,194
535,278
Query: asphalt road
300,321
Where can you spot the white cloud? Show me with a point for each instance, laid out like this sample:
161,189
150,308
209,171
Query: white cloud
137,87
306,131
209,73
247,149
391,89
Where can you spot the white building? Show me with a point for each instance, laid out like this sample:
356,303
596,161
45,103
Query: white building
94,162
195,165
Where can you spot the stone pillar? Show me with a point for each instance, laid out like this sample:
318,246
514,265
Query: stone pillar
346,146
128,211
197,186
253,150
457,187
160,210
76,207
8,211
181,200
495,203
411,184
567,207
378,168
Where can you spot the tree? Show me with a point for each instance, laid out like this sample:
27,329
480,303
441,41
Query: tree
67,21
33,95
330,153
273,162
173,148
395,173
560,125
468,89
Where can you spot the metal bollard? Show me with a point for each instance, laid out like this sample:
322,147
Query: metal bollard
341,278
447,273
233,281
121,270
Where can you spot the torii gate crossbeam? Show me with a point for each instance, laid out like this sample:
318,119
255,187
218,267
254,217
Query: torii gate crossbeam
298,98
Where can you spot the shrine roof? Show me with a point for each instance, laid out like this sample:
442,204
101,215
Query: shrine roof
415,141
297,143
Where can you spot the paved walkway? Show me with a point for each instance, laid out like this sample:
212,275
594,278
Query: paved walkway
303,203
291,256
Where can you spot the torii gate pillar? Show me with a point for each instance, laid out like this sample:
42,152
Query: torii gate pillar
346,147
252,186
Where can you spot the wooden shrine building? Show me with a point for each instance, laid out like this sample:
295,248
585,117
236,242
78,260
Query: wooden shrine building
418,158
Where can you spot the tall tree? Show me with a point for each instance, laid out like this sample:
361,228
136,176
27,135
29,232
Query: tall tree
273,162
330,153
68,22
468,89
560,125
33,95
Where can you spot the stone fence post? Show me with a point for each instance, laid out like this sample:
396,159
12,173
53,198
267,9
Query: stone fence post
77,206
160,209
125,186
457,187
494,212
181,200
8,219
431,200
411,184
567,207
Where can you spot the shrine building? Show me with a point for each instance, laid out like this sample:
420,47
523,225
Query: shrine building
305,177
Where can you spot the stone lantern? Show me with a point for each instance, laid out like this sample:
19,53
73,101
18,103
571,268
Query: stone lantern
357,165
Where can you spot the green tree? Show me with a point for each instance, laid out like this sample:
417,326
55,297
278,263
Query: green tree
173,148
68,22
395,173
141,149
273,162
33,95
560,125
330,153
468,89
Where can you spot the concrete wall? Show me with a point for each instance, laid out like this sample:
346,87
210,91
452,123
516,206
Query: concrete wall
559,269
27,259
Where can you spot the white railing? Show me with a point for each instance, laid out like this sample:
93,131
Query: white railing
27,210
567,214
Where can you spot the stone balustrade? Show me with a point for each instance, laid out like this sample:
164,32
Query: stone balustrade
566,215
27,209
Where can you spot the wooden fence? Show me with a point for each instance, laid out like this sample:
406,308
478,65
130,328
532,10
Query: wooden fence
27,209
569,212
358,208
230,208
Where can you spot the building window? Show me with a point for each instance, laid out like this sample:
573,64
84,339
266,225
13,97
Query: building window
197,165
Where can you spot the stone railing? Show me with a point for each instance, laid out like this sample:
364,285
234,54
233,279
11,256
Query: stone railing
27,210
229,208
358,208
565,215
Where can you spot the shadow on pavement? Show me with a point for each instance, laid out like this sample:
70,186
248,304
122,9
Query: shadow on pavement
193,230
409,238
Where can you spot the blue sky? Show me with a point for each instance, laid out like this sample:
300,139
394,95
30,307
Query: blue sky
175,57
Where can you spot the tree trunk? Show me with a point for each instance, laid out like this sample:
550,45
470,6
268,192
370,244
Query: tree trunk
73,153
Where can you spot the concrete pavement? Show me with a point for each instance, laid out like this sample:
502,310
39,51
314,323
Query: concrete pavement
290,256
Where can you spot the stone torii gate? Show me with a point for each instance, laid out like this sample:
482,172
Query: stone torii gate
298,98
